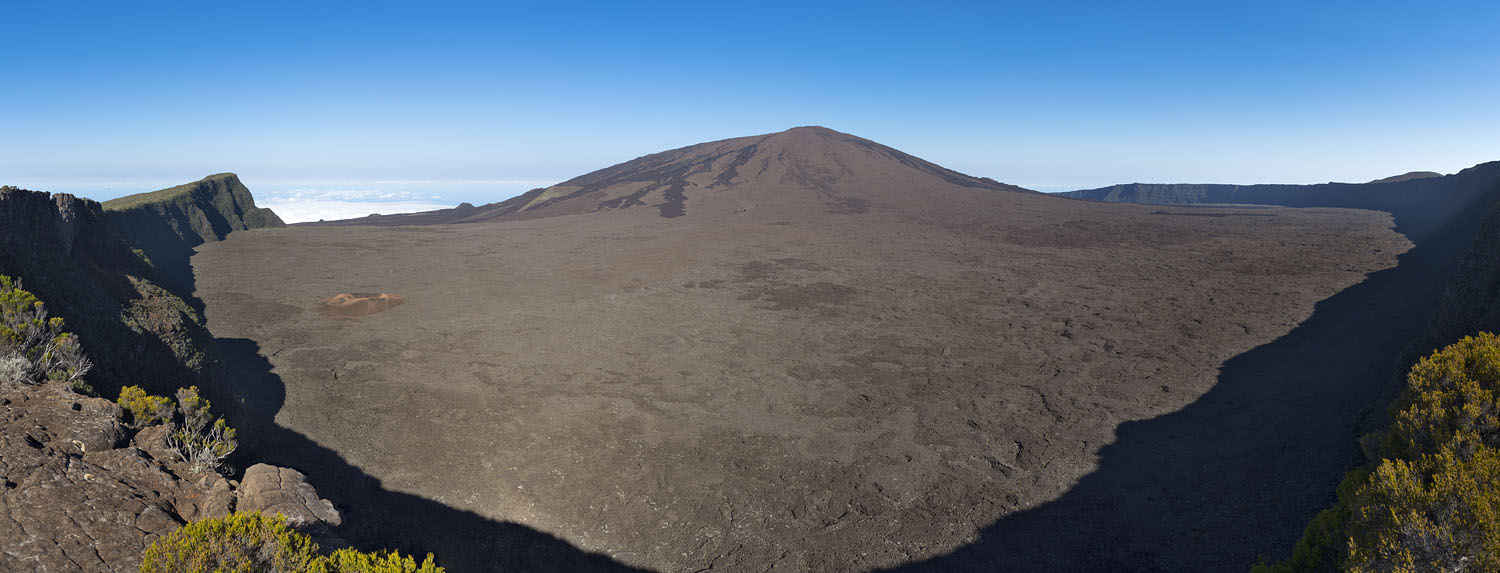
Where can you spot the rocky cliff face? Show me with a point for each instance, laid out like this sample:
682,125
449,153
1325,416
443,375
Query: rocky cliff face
79,490
1471,302
63,249
83,492
167,224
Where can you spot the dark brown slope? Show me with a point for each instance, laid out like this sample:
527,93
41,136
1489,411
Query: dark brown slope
1408,176
804,168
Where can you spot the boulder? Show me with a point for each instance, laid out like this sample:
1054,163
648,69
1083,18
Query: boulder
272,490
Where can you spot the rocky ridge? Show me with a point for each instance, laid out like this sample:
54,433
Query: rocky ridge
79,489
167,224
63,249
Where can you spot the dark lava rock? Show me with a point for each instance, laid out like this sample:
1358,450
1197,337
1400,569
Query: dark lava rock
76,495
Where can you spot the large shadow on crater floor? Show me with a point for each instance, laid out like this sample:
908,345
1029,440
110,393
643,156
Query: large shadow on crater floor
1237,475
375,517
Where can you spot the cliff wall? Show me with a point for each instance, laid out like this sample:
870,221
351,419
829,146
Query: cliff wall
169,223
80,490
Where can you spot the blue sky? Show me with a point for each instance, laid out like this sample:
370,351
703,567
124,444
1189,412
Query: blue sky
418,104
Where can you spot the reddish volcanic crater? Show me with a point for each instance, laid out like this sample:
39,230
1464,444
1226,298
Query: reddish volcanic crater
359,304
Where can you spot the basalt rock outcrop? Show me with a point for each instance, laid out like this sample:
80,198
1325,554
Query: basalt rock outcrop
83,492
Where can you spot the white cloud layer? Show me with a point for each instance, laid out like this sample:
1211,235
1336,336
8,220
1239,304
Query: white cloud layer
304,210
294,195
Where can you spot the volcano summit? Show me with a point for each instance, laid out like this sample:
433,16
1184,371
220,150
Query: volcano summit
799,169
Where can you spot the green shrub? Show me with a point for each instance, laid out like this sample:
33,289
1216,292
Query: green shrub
249,541
1451,395
1440,512
1432,503
354,561
194,408
242,542
201,444
33,347
145,409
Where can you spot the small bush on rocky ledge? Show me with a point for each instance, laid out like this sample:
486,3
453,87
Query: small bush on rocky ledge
145,409
240,542
205,448
33,347
203,445
249,541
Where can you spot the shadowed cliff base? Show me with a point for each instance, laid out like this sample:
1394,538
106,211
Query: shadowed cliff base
378,518
1235,476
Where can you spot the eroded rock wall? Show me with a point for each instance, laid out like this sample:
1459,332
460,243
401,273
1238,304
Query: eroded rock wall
62,248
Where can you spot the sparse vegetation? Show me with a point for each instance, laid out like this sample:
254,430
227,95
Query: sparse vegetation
203,445
33,347
205,448
1433,502
354,561
249,541
246,541
145,409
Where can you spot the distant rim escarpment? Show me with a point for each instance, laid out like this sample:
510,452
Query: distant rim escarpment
807,167
1423,202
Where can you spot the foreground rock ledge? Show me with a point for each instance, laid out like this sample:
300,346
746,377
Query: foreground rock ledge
79,492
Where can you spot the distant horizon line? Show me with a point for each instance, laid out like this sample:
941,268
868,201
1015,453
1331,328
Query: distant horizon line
115,188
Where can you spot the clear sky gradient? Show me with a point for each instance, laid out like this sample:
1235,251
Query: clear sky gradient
428,103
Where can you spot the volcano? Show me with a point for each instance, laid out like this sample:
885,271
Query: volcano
809,351
803,168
